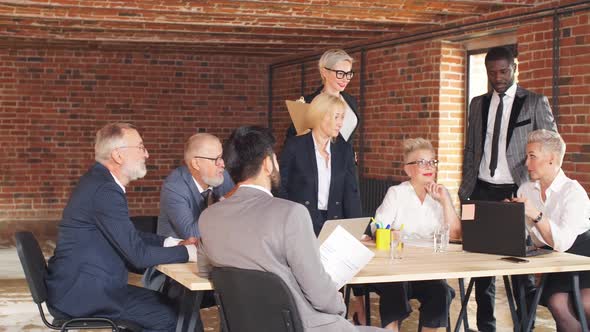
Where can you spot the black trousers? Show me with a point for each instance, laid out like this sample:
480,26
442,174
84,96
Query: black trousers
435,298
485,287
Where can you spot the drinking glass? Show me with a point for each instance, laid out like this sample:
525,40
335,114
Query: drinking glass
396,245
441,238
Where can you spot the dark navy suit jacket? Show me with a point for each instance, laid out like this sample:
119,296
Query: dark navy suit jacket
97,244
299,179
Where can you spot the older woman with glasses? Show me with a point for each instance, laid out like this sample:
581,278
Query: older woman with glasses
558,216
420,205
335,67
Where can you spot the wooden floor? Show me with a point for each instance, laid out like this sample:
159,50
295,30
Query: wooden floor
19,313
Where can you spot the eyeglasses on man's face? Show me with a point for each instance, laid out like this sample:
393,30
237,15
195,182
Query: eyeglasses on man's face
217,160
422,163
140,147
340,74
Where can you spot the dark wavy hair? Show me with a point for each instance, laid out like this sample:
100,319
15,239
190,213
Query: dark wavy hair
245,150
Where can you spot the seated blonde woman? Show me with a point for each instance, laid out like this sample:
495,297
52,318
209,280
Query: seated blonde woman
421,205
558,213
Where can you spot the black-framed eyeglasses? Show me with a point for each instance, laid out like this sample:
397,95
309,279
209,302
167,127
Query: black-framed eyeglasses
217,160
422,163
140,147
341,73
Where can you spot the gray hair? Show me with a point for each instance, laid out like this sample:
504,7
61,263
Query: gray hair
550,141
415,144
332,57
109,138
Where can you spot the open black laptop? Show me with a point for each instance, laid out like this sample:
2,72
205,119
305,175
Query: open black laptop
497,228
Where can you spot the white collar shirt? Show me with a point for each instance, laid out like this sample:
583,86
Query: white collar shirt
402,206
566,206
324,175
350,122
502,173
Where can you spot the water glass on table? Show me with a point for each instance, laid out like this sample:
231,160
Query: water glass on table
441,238
396,245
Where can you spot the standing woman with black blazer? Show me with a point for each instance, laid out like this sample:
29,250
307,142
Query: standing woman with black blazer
317,168
335,67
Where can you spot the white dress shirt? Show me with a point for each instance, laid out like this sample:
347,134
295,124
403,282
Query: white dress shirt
402,206
324,175
502,173
567,208
350,122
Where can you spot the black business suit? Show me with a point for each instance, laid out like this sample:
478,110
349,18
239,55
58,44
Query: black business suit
299,179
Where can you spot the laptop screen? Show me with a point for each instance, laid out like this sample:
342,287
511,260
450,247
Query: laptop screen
494,228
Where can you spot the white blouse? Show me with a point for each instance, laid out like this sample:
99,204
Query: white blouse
324,175
350,122
567,207
401,205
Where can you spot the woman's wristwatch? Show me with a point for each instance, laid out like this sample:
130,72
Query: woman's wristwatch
539,217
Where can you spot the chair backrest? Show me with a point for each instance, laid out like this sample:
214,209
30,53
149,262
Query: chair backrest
253,300
33,263
147,224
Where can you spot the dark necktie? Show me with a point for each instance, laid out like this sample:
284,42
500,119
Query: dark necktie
496,136
208,198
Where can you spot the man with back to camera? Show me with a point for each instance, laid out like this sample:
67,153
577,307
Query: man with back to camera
88,273
494,156
252,230
186,192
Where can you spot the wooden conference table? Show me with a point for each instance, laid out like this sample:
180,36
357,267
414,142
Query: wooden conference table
422,264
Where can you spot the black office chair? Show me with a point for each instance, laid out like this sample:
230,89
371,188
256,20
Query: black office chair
254,301
147,224
35,268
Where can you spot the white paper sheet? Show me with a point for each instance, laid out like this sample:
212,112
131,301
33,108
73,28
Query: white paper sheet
343,256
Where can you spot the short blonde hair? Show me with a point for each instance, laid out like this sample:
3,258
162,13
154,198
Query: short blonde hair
109,138
414,144
550,141
331,57
321,106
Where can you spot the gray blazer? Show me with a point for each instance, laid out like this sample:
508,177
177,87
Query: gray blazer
180,208
253,230
530,111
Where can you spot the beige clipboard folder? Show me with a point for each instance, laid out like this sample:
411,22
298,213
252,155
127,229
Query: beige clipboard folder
298,111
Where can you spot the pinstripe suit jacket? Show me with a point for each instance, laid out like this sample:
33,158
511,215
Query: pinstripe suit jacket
530,111
96,246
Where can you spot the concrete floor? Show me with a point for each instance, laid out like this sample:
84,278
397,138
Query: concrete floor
19,313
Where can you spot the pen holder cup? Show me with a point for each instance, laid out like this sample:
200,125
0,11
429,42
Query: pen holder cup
382,238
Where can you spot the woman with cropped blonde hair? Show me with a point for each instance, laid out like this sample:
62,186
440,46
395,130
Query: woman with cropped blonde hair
335,68
421,205
558,216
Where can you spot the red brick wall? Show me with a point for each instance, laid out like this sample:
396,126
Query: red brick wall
53,101
535,57
418,89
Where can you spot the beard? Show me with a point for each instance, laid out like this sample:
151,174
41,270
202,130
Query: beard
134,172
213,181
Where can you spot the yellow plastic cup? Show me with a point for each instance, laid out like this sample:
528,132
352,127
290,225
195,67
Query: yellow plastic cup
382,238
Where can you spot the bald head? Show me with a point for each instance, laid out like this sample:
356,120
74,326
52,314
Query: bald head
198,144
202,155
